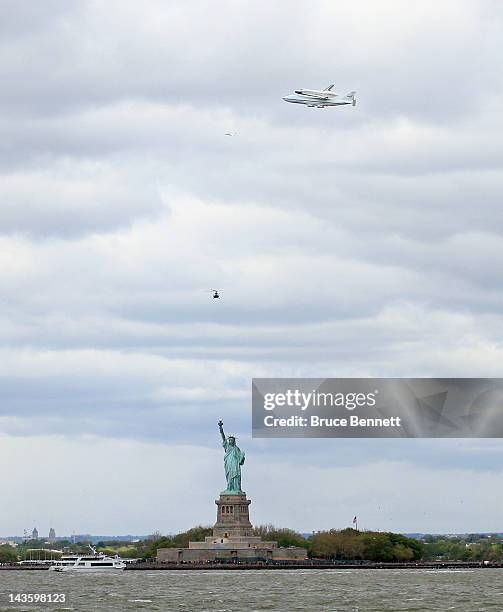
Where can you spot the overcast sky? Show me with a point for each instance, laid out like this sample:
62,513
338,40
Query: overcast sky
347,241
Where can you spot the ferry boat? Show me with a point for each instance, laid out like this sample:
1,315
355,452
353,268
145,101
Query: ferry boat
88,562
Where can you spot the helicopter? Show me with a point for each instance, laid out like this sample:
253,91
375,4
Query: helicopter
216,294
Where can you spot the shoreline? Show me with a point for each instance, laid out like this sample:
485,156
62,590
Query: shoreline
280,566
306,566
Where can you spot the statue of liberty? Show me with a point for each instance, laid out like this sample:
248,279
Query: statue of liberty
233,460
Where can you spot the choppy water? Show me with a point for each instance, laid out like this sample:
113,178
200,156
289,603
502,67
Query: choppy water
248,591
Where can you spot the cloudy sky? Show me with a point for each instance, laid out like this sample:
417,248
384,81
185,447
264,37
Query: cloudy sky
359,241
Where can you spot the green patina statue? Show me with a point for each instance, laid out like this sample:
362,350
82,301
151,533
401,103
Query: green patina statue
233,460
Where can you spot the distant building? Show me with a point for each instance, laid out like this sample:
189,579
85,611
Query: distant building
34,534
81,537
52,535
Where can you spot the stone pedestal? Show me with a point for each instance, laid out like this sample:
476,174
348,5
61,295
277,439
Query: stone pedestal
233,517
232,539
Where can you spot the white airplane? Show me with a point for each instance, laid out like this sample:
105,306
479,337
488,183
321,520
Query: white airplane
320,99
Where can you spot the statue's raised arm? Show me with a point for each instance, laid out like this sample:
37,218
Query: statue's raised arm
221,428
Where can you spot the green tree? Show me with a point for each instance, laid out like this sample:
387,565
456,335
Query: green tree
349,544
8,554
180,540
282,535
337,544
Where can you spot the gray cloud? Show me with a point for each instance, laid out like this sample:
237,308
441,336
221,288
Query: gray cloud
346,242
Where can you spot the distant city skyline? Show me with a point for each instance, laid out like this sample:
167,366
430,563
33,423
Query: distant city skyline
77,537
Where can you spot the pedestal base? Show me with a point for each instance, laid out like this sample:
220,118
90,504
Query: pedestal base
233,517
232,539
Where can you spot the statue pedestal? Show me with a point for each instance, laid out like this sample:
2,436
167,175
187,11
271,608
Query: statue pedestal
232,539
233,531
233,517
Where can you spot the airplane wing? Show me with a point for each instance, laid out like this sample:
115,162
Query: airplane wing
329,88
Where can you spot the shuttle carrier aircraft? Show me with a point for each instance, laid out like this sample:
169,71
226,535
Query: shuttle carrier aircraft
320,99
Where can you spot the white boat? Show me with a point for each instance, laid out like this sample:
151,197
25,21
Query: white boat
91,562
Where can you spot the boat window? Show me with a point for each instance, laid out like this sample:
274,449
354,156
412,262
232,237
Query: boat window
102,564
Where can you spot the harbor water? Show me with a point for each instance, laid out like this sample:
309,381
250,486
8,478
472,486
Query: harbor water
247,591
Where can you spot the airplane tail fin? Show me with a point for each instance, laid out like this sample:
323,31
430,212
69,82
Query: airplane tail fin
351,96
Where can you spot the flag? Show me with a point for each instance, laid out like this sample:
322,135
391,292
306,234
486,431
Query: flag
355,520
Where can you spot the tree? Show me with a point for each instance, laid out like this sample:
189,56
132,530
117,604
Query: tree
180,540
195,534
337,544
283,536
349,544
7,554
